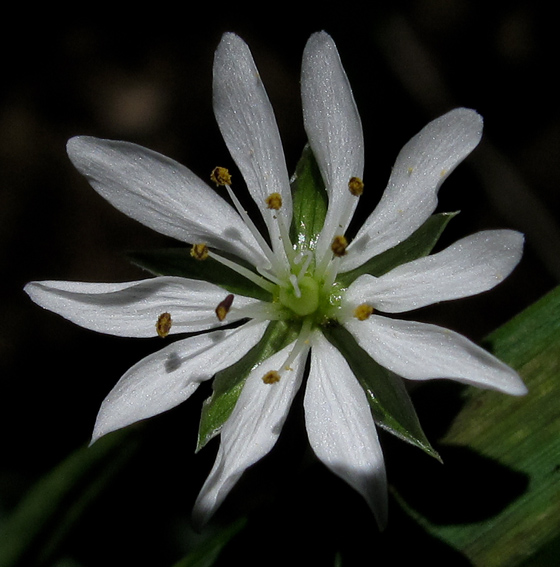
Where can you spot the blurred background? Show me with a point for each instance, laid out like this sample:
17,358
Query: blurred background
145,77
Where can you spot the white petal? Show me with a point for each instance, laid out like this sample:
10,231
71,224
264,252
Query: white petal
162,194
472,265
246,120
252,429
334,129
132,309
168,377
419,351
411,194
340,426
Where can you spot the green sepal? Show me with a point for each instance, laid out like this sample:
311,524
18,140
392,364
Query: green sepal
390,403
309,202
179,262
228,383
420,243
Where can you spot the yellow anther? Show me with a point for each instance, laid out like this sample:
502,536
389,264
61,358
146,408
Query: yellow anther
199,251
163,325
220,176
274,201
339,245
443,173
271,377
356,186
363,311
410,170
224,306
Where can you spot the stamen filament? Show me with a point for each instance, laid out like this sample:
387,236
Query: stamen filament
308,255
294,282
330,274
301,344
279,268
250,275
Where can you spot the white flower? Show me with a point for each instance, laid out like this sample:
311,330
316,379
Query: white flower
301,279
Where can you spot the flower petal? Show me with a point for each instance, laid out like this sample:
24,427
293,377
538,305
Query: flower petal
472,265
168,377
411,194
132,309
340,426
162,194
419,351
252,429
334,129
246,120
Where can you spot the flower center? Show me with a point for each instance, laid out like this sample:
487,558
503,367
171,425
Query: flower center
302,297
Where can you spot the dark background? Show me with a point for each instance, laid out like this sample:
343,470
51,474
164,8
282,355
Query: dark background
146,77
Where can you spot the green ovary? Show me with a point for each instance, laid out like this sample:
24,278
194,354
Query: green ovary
307,302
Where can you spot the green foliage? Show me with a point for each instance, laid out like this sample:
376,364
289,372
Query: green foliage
39,525
521,435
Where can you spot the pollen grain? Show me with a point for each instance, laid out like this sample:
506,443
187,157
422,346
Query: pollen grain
356,186
363,311
339,245
274,201
223,307
271,377
163,325
199,251
220,176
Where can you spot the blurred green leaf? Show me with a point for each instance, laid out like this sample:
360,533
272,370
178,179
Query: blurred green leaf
206,553
522,434
390,403
36,529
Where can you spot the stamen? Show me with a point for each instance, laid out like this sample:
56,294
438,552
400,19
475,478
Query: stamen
223,307
251,276
278,266
274,201
363,311
340,222
301,345
339,245
271,377
356,186
308,255
199,251
163,325
220,176
295,285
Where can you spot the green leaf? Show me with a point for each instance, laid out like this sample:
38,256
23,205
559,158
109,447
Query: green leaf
207,551
521,434
179,262
34,532
417,245
391,406
309,202
228,383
